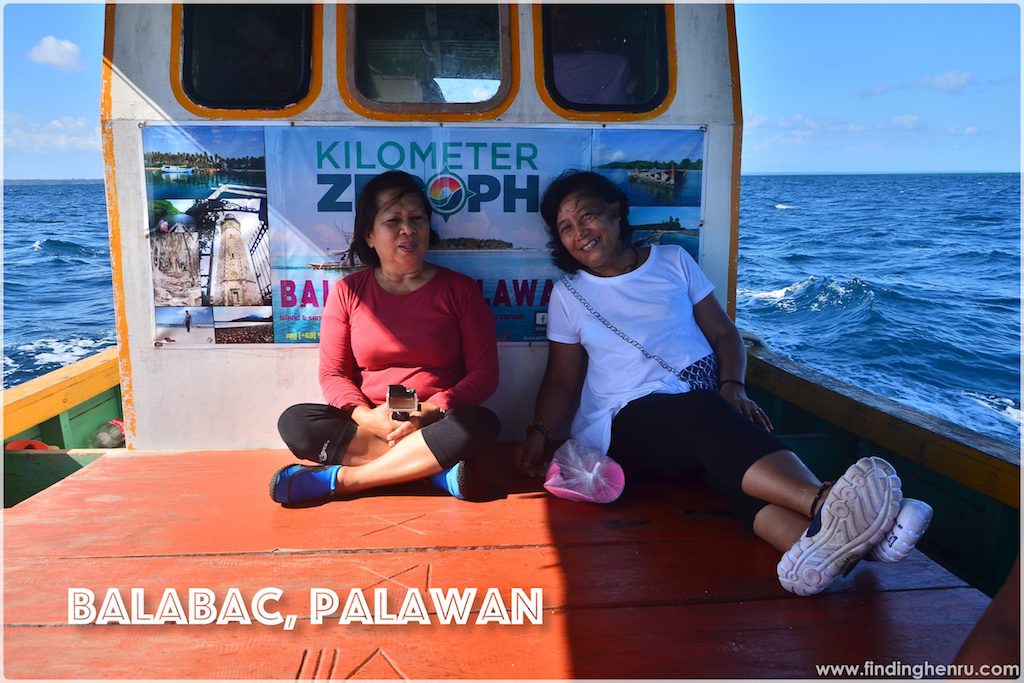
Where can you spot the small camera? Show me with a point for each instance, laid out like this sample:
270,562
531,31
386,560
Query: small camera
402,401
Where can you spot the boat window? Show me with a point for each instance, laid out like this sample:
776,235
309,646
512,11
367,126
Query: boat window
605,57
246,56
439,57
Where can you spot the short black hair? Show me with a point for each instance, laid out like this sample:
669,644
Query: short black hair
589,183
404,185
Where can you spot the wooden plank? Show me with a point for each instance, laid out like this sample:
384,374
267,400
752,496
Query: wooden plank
129,503
782,638
44,397
980,462
664,584
627,574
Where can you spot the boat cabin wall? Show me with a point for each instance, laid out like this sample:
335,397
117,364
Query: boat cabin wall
200,388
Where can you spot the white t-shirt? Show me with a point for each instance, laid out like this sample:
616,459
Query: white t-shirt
652,304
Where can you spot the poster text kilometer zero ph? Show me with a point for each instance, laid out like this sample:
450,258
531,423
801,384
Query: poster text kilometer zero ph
448,157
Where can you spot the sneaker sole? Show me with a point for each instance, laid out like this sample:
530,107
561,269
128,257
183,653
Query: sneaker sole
274,481
859,510
911,523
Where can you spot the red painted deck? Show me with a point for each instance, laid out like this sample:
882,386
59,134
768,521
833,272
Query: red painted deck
666,586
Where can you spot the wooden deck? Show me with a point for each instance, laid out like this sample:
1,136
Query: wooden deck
660,586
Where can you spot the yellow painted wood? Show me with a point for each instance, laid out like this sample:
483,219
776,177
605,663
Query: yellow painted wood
737,153
987,465
45,397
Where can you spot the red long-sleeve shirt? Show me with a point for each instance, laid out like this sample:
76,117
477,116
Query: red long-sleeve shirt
439,340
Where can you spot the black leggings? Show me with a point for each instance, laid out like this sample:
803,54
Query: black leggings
664,437
321,433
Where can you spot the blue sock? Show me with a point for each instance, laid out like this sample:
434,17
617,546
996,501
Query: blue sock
307,483
448,480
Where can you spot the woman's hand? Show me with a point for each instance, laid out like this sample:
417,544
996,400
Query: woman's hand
403,430
558,391
428,414
529,456
736,396
380,423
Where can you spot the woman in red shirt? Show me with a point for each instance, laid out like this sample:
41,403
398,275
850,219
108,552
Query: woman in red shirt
403,321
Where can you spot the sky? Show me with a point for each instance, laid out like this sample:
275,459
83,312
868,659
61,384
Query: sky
893,88
826,88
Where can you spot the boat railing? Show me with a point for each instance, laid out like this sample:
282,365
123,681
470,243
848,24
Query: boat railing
56,393
970,479
983,463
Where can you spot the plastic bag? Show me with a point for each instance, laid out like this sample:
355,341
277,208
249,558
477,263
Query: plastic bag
584,474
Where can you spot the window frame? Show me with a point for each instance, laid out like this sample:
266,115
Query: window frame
568,110
508,38
177,62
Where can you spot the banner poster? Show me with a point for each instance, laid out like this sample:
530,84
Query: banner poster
208,234
661,172
484,185
250,226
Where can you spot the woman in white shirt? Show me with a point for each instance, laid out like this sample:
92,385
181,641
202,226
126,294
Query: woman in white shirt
663,369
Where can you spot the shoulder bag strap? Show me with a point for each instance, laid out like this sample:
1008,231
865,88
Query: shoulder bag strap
701,374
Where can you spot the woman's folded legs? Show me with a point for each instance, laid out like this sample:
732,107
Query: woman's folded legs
822,529
359,460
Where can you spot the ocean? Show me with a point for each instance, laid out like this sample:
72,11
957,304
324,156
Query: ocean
905,285
57,288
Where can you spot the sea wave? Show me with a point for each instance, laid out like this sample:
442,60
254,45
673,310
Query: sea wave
1006,408
25,361
778,294
816,294
907,286
62,351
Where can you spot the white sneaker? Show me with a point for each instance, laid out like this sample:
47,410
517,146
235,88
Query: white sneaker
911,523
856,514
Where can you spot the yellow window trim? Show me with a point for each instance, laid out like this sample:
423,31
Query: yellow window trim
604,116
315,78
424,111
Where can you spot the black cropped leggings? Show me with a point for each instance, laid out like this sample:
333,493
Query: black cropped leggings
664,437
321,433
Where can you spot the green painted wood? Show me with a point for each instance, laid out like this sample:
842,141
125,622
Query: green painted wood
85,418
74,427
50,432
65,429
32,434
26,473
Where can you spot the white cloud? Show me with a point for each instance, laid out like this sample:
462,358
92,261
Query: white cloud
951,81
845,127
752,120
62,54
799,129
59,135
907,121
970,130
875,90
799,121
